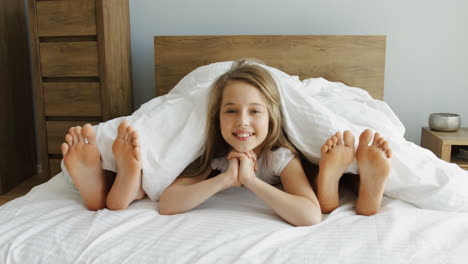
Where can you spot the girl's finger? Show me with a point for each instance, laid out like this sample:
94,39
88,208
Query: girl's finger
242,157
251,155
235,156
232,154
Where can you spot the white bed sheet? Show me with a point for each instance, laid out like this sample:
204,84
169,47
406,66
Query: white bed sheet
51,225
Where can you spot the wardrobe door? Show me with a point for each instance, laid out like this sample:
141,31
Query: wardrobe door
17,137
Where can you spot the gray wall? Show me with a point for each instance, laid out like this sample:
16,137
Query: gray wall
427,54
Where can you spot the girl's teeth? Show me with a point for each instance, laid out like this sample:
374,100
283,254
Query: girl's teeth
243,135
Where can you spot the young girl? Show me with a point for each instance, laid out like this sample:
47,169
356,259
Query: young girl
245,141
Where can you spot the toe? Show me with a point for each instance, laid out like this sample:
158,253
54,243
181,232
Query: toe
88,133
365,137
135,135
79,134
324,149
135,139
137,153
122,130
339,138
329,143
69,139
376,139
334,140
388,152
74,135
380,142
135,143
384,146
348,139
129,132
386,149
64,148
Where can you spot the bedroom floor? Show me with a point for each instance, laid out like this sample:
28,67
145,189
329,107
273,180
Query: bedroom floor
22,189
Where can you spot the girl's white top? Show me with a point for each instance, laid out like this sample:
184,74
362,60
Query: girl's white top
270,164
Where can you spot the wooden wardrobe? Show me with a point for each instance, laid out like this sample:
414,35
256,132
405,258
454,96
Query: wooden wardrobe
81,61
17,142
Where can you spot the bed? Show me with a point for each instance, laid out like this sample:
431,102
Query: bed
51,225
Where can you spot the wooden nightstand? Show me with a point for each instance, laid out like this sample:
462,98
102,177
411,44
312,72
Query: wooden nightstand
446,144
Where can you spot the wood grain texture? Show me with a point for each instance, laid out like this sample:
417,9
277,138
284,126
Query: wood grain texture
56,131
75,43
17,138
69,59
72,99
431,142
115,57
357,61
37,85
446,145
66,18
459,137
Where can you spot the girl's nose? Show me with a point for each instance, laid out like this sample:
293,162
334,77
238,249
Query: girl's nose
243,120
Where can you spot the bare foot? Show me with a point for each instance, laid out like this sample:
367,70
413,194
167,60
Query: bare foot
127,184
374,168
337,155
83,162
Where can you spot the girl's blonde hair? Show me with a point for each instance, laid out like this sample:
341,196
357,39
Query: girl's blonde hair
248,71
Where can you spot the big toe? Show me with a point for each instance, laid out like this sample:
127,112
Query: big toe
365,138
122,129
88,133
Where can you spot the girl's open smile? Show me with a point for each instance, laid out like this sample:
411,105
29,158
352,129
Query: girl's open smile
243,135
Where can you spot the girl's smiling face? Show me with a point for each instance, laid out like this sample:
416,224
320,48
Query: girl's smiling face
243,117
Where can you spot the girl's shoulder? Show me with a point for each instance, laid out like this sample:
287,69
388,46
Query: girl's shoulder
278,159
220,164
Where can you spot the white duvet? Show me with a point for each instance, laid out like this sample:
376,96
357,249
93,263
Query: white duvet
172,129
51,225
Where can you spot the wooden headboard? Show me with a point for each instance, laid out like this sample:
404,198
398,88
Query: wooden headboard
357,61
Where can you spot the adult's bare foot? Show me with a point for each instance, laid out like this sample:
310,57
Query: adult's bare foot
83,162
374,168
127,184
337,155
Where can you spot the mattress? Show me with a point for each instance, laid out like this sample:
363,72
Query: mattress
51,225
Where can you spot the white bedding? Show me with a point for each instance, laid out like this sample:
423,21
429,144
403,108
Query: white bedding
51,225
172,128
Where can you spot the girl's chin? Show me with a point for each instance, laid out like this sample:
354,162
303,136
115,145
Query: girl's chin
242,150
247,149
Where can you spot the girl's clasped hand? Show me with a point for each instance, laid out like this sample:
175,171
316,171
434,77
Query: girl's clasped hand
242,166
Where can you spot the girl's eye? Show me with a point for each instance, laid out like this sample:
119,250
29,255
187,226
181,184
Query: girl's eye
255,111
230,111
